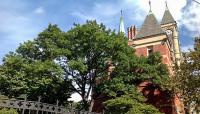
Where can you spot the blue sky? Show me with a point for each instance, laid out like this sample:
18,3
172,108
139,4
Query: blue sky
22,20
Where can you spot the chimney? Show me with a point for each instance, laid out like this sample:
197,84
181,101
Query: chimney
132,31
129,33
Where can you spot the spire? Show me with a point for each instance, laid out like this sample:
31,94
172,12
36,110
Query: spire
121,26
166,5
150,27
150,6
167,17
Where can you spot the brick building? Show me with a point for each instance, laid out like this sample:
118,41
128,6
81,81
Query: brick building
160,37
157,37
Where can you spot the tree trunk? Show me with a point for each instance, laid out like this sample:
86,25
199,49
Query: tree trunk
85,105
91,105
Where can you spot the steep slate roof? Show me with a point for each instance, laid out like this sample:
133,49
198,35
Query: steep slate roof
150,27
167,17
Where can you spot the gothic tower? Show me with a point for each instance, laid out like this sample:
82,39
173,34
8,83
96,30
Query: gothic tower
163,38
169,25
152,38
157,37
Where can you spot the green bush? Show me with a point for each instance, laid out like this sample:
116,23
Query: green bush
8,111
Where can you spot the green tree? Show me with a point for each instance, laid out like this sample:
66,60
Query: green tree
125,78
57,62
33,69
78,56
8,111
92,46
185,81
130,102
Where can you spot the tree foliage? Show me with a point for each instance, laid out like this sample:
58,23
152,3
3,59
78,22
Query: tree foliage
185,81
92,46
125,77
8,111
33,70
137,70
75,58
130,103
57,63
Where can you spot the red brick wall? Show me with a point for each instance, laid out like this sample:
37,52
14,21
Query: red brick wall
165,52
158,98
141,51
163,49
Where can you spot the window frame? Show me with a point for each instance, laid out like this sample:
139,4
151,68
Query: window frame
149,50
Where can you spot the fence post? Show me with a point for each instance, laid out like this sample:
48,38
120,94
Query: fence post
39,98
25,98
57,104
71,107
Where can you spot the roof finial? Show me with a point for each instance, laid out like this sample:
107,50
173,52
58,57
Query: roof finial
121,13
150,5
166,5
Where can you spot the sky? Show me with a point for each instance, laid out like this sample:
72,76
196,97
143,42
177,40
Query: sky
22,20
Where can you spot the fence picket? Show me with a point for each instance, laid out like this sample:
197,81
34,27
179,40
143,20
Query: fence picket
37,106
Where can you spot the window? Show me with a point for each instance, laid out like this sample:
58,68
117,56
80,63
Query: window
149,50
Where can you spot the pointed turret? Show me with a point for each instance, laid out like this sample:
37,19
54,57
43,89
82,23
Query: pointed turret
167,17
150,26
169,25
121,26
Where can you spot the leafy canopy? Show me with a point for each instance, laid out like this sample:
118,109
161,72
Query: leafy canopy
57,63
122,87
92,46
185,81
33,70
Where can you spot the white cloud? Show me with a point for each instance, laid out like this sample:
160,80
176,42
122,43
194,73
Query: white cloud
39,10
191,18
82,16
158,7
135,9
107,12
19,27
187,48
